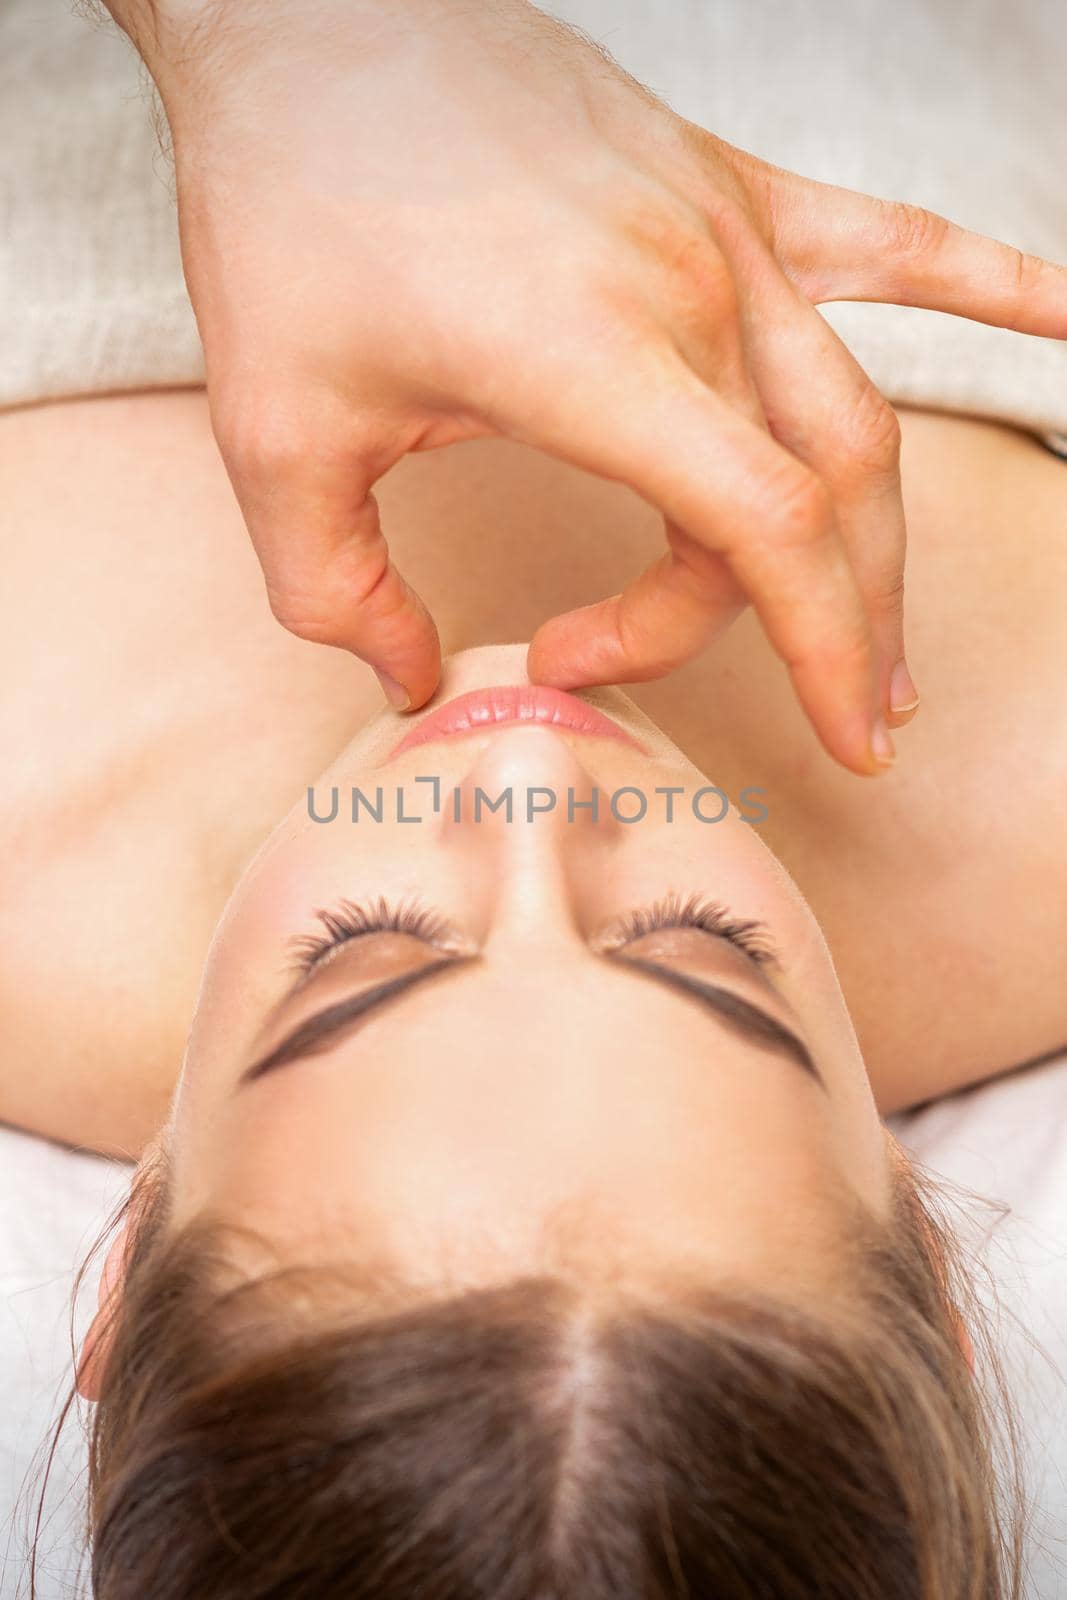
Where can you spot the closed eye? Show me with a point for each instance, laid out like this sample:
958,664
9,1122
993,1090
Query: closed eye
349,920
695,911
328,1026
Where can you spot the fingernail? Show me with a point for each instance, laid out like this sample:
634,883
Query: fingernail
903,695
394,692
882,745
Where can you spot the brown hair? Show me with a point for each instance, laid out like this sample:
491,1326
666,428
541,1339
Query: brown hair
545,1440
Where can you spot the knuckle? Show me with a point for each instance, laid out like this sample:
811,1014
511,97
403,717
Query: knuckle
652,221
256,442
307,607
1028,271
677,237
799,510
843,654
871,434
646,652
850,653
700,267
279,437
313,623
321,605
912,230
887,597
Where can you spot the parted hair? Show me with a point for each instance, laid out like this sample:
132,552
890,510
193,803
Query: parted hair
544,1438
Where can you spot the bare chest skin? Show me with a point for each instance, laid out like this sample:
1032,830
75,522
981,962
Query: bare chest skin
157,723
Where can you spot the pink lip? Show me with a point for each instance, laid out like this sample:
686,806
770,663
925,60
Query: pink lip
523,702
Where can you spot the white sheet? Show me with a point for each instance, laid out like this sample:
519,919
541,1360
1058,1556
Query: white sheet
1005,1141
52,1205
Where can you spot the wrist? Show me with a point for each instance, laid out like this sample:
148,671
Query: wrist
168,35
203,54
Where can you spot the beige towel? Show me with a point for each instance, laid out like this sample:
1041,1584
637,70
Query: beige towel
92,295
961,107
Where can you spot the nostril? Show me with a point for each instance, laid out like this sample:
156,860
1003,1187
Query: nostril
536,762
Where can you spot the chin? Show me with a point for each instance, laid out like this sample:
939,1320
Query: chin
480,667
490,665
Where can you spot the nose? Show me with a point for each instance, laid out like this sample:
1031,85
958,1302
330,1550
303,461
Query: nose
533,828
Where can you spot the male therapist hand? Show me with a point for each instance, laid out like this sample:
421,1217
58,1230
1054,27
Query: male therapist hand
408,222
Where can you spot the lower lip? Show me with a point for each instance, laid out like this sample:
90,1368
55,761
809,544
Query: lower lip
492,708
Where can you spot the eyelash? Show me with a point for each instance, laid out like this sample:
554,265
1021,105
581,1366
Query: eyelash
348,920
672,911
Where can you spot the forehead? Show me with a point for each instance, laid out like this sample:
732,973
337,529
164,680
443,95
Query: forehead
496,1101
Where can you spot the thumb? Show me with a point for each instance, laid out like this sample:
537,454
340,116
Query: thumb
317,532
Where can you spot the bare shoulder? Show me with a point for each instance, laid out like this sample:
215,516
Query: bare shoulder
942,888
164,722
158,723
953,954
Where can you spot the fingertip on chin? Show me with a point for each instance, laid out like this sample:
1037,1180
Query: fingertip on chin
408,691
394,691
418,696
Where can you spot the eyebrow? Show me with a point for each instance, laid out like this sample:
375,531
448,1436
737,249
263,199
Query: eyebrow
326,1027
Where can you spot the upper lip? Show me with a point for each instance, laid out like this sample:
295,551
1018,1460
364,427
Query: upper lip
510,703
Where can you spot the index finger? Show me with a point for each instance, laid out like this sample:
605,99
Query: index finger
303,485
744,503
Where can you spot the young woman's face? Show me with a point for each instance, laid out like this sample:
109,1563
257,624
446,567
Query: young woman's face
527,1047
